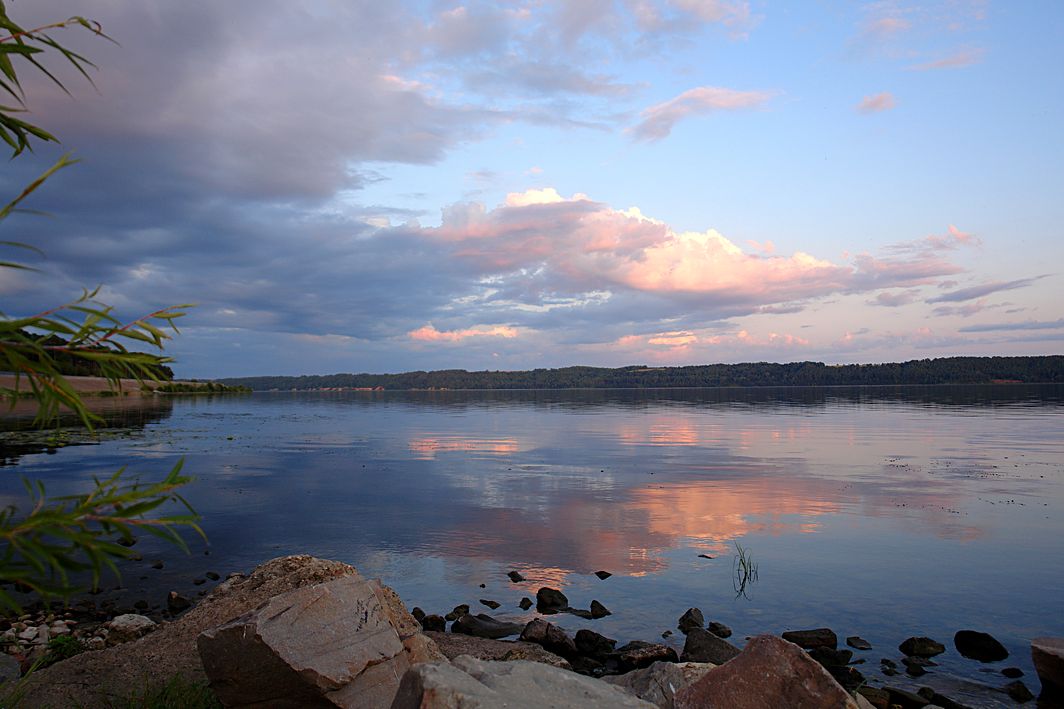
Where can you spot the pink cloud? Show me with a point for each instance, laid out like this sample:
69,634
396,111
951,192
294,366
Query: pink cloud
658,120
884,27
958,60
894,300
877,103
428,333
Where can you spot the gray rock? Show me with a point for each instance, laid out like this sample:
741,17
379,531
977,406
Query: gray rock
692,618
704,646
598,610
453,645
474,684
10,669
551,599
719,629
858,643
484,626
342,643
659,683
588,642
922,647
549,636
636,655
127,627
1048,656
808,639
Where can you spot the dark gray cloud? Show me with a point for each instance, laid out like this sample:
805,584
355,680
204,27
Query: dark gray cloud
1016,326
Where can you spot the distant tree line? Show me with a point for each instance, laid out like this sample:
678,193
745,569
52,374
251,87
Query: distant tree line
947,370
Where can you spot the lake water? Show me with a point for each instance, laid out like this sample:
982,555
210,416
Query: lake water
880,512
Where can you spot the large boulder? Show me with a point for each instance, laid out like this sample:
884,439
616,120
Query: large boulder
1048,656
550,600
659,683
483,625
474,684
921,647
343,643
550,637
770,672
703,646
98,679
127,627
809,639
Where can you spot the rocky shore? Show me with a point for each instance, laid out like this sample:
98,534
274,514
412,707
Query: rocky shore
301,631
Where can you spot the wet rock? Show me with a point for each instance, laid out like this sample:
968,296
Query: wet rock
212,575
906,699
703,646
979,646
1018,691
692,618
525,603
589,666
458,612
636,655
199,581
490,604
157,565
1012,672
603,574
598,610
551,600
659,683
921,647
453,645
10,669
482,625
719,629
580,613
1048,656
829,657
858,643
128,627
468,682
913,669
550,637
588,642
515,576
345,642
434,622
808,639
419,615
770,672
849,677
878,698
175,602
704,556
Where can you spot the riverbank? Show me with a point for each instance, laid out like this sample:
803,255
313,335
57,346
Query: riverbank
108,642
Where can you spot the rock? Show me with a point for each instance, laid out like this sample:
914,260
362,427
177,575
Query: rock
482,625
603,574
345,642
175,602
719,629
490,604
199,581
474,684
692,618
922,647
580,613
550,600
453,645
588,642
704,646
1018,691
419,615
434,622
212,575
858,643
878,698
915,670
589,666
1012,672
549,636
704,556
128,627
906,699
829,657
515,577
979,646
157,565
849,677
525,603
635,655
769,672
598,610
10,669
1047,653
808,639
141,605
659,683
458,612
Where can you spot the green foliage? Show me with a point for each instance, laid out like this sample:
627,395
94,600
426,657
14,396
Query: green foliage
48,549
62,648
175,693
201,388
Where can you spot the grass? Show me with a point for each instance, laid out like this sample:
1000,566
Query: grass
744,570
176,693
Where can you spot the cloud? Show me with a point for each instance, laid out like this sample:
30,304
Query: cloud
980,291
953,239
958,60
428,333
658,120
883,27
877,103
1017,326
895,300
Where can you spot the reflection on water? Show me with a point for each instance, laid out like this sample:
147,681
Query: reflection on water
872,510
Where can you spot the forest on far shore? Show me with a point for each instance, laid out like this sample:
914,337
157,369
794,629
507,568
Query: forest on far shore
946,370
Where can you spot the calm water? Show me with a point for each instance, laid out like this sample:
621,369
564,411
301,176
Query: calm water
874,511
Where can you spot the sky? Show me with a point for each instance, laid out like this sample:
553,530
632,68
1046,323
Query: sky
354,186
